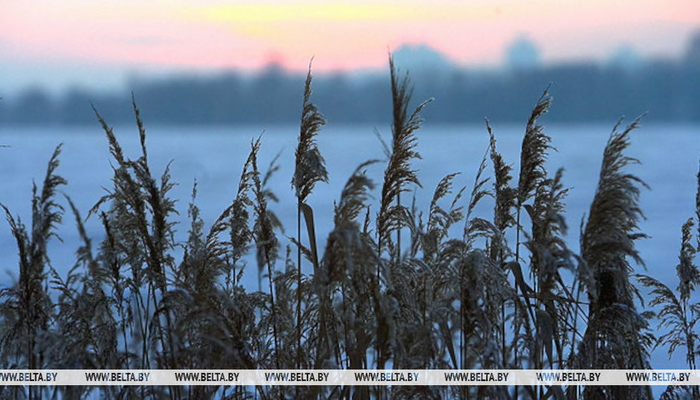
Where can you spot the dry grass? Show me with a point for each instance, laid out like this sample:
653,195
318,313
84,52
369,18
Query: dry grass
435,300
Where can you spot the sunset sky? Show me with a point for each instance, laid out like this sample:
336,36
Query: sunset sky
56,44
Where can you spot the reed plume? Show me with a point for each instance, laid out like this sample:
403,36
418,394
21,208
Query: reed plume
399,173
678,314
265,239
615,336
533,153
26,306
309,169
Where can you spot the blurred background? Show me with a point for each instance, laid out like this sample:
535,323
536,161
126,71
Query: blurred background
209,75
217,62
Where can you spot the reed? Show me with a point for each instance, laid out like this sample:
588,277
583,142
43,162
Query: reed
435,299
309,169
615,336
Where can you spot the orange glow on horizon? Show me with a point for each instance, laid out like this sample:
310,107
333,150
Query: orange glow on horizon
341,35
345,11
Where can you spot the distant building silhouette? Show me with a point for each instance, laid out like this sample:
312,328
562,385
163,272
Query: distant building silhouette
522,53
626,58
585,91
693,51
422,58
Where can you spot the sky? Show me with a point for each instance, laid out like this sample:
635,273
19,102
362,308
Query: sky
104,43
